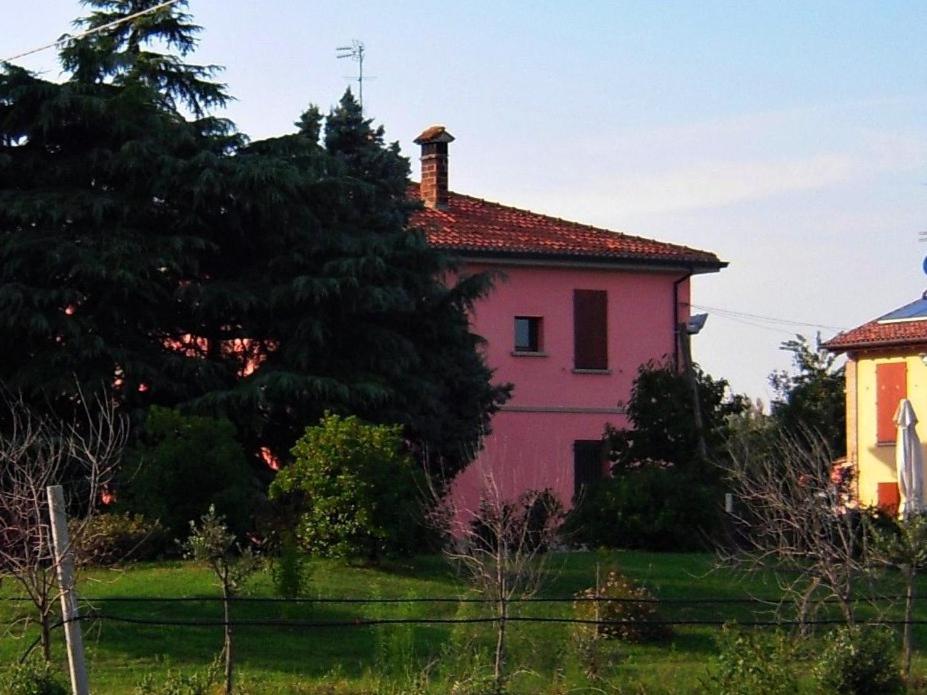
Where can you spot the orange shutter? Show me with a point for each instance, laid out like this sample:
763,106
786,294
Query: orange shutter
888,498
891,384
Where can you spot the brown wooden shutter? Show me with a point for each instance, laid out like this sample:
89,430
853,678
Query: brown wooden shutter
590,329
891,385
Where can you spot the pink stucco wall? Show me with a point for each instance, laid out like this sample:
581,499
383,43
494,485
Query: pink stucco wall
531,444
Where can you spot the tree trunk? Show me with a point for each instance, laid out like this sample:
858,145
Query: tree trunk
499,666
908,637
226,605
46,635
804,606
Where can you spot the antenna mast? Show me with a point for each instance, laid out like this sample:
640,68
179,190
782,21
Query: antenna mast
355,52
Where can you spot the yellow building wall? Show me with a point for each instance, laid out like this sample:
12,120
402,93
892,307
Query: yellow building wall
876,462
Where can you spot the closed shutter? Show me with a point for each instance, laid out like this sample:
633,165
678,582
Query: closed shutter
590,329
587,464
891,383
888,498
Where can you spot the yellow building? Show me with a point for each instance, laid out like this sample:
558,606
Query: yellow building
886,361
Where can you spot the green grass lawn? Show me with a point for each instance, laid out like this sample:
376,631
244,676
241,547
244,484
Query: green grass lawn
395,658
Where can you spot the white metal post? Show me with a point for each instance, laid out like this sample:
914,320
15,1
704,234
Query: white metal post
64,563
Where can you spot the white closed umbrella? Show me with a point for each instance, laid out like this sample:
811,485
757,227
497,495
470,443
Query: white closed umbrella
909,460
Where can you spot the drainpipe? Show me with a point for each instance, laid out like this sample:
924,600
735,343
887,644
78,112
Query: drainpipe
676,335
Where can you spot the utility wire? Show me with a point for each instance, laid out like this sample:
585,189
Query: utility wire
730,313
90,32
450,599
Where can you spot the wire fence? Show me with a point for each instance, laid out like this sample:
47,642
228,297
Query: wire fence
102,609
91,613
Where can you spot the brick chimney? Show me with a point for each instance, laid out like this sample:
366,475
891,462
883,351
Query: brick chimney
434,166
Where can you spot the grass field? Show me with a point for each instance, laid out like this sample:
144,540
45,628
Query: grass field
398,658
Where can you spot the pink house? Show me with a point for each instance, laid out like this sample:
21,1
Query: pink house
576,310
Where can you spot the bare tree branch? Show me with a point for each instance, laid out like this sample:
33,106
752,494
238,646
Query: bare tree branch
38,450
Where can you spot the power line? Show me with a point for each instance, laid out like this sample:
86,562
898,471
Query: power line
90,32
730,313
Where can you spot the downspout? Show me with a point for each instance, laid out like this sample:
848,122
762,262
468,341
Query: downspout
676,285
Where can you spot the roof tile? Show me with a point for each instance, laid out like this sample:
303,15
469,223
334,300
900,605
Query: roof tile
875,335
478,226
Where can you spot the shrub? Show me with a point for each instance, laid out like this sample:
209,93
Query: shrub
108,539
182,465
289,571
631,607
355,488
749,662
651,508
33,677
859,661
178,683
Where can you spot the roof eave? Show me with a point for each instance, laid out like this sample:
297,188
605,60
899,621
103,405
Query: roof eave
695,266
864,346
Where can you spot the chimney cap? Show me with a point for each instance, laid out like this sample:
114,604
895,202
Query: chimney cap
435,133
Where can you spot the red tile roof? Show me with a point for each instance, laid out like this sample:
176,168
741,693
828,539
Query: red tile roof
877,335
472,226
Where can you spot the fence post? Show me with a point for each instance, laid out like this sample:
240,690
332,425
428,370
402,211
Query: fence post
64,564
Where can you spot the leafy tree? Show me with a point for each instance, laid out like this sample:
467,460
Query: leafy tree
662,494
356,488
211,542
108,201
352,301
162,253
182,465
664,431
811,398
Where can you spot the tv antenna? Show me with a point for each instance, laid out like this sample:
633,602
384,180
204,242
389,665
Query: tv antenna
356,53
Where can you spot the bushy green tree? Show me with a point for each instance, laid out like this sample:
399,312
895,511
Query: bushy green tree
184,464
663,429
859,661
266,282
356,488
662,495
812,396
353,304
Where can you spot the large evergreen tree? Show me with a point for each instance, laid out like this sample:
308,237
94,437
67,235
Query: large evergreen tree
350,306
145,244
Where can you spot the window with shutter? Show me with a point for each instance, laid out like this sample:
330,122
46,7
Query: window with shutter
590,329
587,465
891,386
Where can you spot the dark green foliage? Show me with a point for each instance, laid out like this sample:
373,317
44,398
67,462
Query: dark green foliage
123,55
651,508
175,682
168,257
289,569
181,465
811,398
860,661
352,302
661,413
356,489
33,677
662,494
753,662
111,539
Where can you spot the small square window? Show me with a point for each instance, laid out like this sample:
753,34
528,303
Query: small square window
527,334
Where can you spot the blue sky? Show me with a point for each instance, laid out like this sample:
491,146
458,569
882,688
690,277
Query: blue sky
788,137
